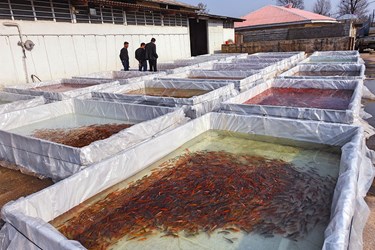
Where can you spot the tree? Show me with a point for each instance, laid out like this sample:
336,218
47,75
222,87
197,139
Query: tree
203,8
322,7
355,7
299,4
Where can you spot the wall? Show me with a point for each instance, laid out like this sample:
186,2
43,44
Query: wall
292,32
65,49
228,34
215,36
307,45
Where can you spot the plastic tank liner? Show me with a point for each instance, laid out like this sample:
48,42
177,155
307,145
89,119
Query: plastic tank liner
360,68
83,92
350,115
195,106
17,102
29,215
123,77
59,161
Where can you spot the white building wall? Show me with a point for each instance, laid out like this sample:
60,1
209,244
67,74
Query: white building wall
65,49
215,35
228,34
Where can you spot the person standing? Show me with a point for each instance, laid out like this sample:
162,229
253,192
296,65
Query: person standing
140,55
124,56
151,54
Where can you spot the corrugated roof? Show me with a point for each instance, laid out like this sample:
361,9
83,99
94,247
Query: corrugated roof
272,14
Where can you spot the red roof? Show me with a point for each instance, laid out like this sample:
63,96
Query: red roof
272,14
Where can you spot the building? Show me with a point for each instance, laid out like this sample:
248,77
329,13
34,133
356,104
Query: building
284,28
75,37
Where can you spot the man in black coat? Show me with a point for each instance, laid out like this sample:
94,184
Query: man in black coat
124,56
140,55
151,55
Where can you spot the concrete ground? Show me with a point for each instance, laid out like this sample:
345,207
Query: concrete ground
369,232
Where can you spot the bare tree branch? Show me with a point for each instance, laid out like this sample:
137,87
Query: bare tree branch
356,7
203,8
322,7
296,3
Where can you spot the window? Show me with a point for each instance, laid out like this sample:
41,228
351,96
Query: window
61,9
157,18
43,10
149,18
22,10
140,16
5,11
228,24
107,14
118,15
131,18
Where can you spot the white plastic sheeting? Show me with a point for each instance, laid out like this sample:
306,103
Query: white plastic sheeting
240,84
359,70
342,57
333,59
16,102
123,77
59,161
202,62
195,106
350,115
29,216
87,87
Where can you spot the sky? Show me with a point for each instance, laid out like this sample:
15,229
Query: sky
238,8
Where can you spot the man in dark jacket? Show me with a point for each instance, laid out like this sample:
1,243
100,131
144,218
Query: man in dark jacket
140,55
151,55
124,56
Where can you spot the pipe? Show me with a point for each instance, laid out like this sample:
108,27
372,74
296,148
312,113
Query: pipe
20,43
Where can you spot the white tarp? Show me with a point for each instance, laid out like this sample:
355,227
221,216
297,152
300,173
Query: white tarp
349,115
201,62
337,53
342,57
10,102
59,161
357,69
195,106
333,59
29,216
249,78
123,77
87,87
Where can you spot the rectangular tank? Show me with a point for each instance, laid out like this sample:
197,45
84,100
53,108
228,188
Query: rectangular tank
310,99
59,139
272,184
326,71
62,89
10,101
197,98
123,77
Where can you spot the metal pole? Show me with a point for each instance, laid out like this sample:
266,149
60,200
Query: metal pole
22,45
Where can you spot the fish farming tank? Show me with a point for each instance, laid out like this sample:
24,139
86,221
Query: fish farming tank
237,66
220,190
326,71
65,136
62,89
271,184
197,98
123,77
11,102
332,59
311,99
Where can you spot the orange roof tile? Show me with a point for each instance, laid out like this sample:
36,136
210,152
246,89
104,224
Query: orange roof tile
272,14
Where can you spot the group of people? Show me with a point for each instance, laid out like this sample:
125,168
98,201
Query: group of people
146,52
